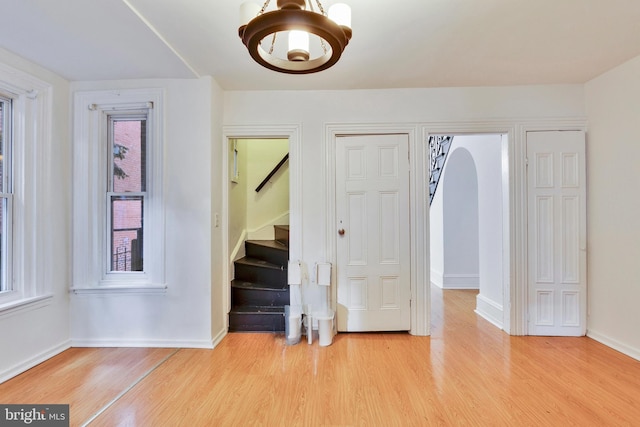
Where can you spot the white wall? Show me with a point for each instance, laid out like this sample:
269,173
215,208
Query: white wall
30,336
238,200
486,151
436,236
219,282
460,220
313,110
272,202
252,214
613,207
184,316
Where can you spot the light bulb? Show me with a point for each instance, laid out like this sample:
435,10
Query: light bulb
340,13
248,11
298,46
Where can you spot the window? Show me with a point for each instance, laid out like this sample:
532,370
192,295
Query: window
126,190
6,195
25,150
118,207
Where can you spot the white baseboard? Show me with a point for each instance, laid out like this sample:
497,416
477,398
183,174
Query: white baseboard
36,360
489,310
218,338
460,281
614,344
238,249
436,278
142,343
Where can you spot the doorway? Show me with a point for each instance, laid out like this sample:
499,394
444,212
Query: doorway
231,173
373,246
258,188
466,224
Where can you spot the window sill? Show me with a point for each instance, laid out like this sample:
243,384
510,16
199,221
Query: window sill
25,304
122,289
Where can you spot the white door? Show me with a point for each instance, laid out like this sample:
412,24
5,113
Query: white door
557,286
373,241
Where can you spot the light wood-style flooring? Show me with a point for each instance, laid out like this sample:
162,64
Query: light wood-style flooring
467,373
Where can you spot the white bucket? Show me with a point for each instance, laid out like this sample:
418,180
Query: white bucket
325,328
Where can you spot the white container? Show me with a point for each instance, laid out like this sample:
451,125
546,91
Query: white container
292,326
295,329
325,327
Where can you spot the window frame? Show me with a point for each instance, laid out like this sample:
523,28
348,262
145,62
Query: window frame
137,114
30,149
6,194
91,220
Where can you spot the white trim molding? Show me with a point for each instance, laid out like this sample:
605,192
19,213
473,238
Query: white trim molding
519,196
91,109
512,316
461,281
489,310
615,344
125,290
32,147
118,342
33,361
292,132
419,281
497,127
437,278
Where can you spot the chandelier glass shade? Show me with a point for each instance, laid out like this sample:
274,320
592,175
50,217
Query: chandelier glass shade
281,39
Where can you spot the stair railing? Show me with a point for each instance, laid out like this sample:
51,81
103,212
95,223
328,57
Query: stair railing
273,172
438,149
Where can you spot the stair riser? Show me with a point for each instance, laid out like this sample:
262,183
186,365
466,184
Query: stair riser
259,297
256,322
256,274
274,256
282,235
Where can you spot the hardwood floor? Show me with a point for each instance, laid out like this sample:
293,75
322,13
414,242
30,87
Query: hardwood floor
467,373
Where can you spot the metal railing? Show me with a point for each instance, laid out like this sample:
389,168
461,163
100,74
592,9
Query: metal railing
438,149
273,172
127,256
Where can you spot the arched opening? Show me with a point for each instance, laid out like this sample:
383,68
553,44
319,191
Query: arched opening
461,268
466,224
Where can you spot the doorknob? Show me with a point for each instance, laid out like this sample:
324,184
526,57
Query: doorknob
341,232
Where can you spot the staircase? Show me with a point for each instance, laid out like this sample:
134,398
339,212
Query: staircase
259,290
438,149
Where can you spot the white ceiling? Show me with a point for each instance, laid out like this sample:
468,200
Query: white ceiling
395,44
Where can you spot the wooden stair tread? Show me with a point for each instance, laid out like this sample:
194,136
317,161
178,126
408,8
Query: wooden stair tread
273,244
259,291
257,286
259,263
258,309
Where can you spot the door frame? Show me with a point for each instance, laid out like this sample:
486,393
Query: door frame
509,142
401,316
515,255
417,187
292,132
548,126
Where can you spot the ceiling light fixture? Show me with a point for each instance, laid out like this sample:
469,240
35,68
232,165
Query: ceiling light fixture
302,22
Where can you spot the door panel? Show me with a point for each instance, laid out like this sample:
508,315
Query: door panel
373,253
557,233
